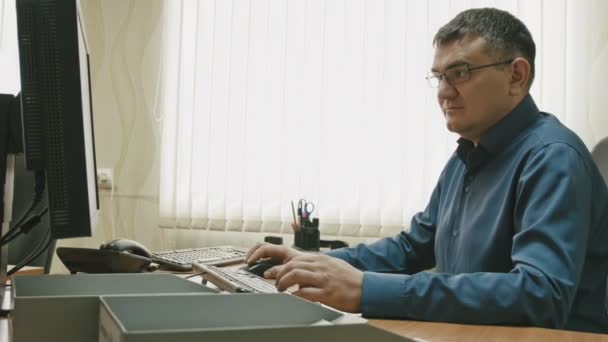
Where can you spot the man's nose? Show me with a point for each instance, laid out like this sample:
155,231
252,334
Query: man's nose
446,90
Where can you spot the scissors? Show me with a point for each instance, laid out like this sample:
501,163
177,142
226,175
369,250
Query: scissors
305,209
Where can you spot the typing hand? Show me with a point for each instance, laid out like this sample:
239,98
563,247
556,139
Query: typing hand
279,254
322,278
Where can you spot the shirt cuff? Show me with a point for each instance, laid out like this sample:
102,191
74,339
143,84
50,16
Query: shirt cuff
339,253
383,295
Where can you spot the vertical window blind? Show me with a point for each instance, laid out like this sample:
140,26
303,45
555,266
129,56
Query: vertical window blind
268,101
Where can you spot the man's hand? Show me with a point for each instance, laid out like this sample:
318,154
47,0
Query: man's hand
321,278
279,254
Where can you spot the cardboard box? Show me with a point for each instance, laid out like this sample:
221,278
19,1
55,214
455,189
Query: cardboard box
229,317
66,307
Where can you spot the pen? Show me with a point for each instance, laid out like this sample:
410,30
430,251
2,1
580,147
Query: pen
293,212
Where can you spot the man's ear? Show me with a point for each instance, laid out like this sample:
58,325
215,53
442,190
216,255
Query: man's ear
520,75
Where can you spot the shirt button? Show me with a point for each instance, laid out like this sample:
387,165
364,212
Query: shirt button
455,232
466,189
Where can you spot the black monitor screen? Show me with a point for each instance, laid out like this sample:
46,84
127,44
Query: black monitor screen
56,110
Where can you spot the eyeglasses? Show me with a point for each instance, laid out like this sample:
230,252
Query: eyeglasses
458,74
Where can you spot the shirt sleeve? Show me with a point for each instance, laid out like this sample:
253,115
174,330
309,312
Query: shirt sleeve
551,226
408,252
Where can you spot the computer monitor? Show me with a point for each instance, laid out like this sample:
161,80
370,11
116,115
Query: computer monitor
55,115
56,111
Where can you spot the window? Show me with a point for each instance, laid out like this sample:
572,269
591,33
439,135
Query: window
269,101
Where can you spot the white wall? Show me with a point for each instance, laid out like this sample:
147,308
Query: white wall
124,46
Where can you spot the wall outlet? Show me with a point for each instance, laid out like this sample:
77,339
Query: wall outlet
105,179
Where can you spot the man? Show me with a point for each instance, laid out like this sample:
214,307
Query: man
516,227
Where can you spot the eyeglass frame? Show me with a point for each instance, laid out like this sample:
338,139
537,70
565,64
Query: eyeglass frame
440,76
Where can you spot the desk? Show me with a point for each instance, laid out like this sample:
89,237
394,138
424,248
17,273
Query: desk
428,331
29,270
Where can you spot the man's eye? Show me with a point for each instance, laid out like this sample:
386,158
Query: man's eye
459,73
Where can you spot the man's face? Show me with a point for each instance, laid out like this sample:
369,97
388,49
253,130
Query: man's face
470,108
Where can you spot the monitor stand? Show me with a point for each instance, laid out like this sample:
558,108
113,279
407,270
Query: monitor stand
5,297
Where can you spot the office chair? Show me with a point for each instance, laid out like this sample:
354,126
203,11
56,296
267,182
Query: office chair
600,156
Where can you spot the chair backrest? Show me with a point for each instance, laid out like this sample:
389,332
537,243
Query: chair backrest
600,156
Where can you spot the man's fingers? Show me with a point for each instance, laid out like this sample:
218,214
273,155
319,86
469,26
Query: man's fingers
300,277
294,264
272,272
252,250
263,251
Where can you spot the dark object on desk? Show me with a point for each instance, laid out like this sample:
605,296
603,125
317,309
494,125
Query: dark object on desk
126,246
260,267
307,237
333,244
90,260
116,256
275,240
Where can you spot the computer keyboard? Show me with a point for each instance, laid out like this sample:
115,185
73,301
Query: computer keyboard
183,259
235,280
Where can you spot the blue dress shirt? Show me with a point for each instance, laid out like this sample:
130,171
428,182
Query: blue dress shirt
517,229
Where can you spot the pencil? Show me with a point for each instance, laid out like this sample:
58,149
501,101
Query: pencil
293,212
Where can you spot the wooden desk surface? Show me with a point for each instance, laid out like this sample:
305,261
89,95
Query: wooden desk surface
29,270
428,331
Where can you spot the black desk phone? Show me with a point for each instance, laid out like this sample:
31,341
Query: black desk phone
116,256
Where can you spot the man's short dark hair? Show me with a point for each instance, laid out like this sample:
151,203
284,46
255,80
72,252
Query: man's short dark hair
507,36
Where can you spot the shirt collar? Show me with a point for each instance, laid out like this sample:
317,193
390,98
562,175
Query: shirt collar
499,136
